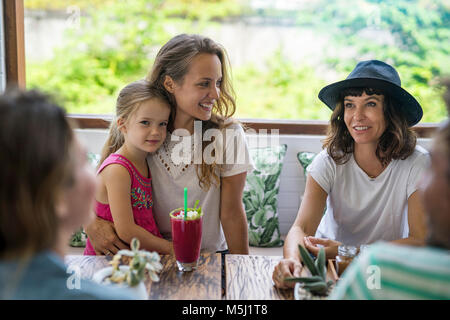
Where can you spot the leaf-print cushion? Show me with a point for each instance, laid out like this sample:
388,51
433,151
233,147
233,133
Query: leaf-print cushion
305,158
93,158
78,239
261,196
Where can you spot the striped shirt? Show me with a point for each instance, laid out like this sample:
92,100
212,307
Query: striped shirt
388,271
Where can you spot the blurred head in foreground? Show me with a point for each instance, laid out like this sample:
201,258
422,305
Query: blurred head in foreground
46,185
435,186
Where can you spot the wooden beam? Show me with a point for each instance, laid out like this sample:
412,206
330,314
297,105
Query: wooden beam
310,127
14,42
92,121
307,127
15,75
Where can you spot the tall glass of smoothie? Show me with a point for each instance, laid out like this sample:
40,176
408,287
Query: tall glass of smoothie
186,237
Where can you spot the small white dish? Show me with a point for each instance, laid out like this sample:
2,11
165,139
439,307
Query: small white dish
140,291
302,294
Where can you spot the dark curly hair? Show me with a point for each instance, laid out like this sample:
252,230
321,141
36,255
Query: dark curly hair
397,142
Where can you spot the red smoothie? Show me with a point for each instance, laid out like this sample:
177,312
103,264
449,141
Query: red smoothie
186,237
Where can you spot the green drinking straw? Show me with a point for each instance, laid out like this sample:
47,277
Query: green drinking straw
185,204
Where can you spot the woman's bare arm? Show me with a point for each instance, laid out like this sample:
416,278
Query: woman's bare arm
307,220
232,213
416,222
305,224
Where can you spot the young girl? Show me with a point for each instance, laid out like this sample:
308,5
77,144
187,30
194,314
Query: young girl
125,193
193,71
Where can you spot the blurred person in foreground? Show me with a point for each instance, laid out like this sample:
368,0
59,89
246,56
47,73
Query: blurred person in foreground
387,271
46,192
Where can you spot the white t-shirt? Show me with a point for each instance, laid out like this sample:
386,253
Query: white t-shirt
360,209
172,170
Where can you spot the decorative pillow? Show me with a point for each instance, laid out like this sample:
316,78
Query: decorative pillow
78,239
305,158
261,196
93,158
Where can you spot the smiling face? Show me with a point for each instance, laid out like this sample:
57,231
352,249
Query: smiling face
146,129
198,91
364,117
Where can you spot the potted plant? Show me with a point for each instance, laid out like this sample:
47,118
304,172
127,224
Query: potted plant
140,263
316,286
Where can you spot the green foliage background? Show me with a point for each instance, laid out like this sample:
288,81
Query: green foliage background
117,42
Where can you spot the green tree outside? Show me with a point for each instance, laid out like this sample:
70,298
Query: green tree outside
118,41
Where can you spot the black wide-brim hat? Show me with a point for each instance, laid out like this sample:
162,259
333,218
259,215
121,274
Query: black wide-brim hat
377,75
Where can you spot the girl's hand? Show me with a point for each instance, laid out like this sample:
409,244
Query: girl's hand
286,268
330,246
103,237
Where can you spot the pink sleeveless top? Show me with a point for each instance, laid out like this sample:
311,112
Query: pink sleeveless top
140,197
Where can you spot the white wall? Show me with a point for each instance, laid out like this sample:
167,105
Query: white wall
292,184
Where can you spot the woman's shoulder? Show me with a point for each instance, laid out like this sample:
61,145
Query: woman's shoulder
324,157
420,151
322,161
233,129
234,124
419,156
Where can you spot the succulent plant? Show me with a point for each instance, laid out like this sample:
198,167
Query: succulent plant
316,284
139,262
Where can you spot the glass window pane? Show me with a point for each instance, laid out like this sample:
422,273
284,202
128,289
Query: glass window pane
282,51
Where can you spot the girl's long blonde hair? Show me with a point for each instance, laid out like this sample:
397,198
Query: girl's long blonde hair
128,101
173,60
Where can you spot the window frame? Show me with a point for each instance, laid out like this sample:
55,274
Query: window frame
13,11
2,51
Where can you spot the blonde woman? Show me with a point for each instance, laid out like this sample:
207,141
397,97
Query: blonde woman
193,72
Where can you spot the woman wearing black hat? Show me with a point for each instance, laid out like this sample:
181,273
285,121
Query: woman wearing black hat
367,173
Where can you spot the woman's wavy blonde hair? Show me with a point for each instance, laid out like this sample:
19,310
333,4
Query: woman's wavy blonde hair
173,60
397,142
